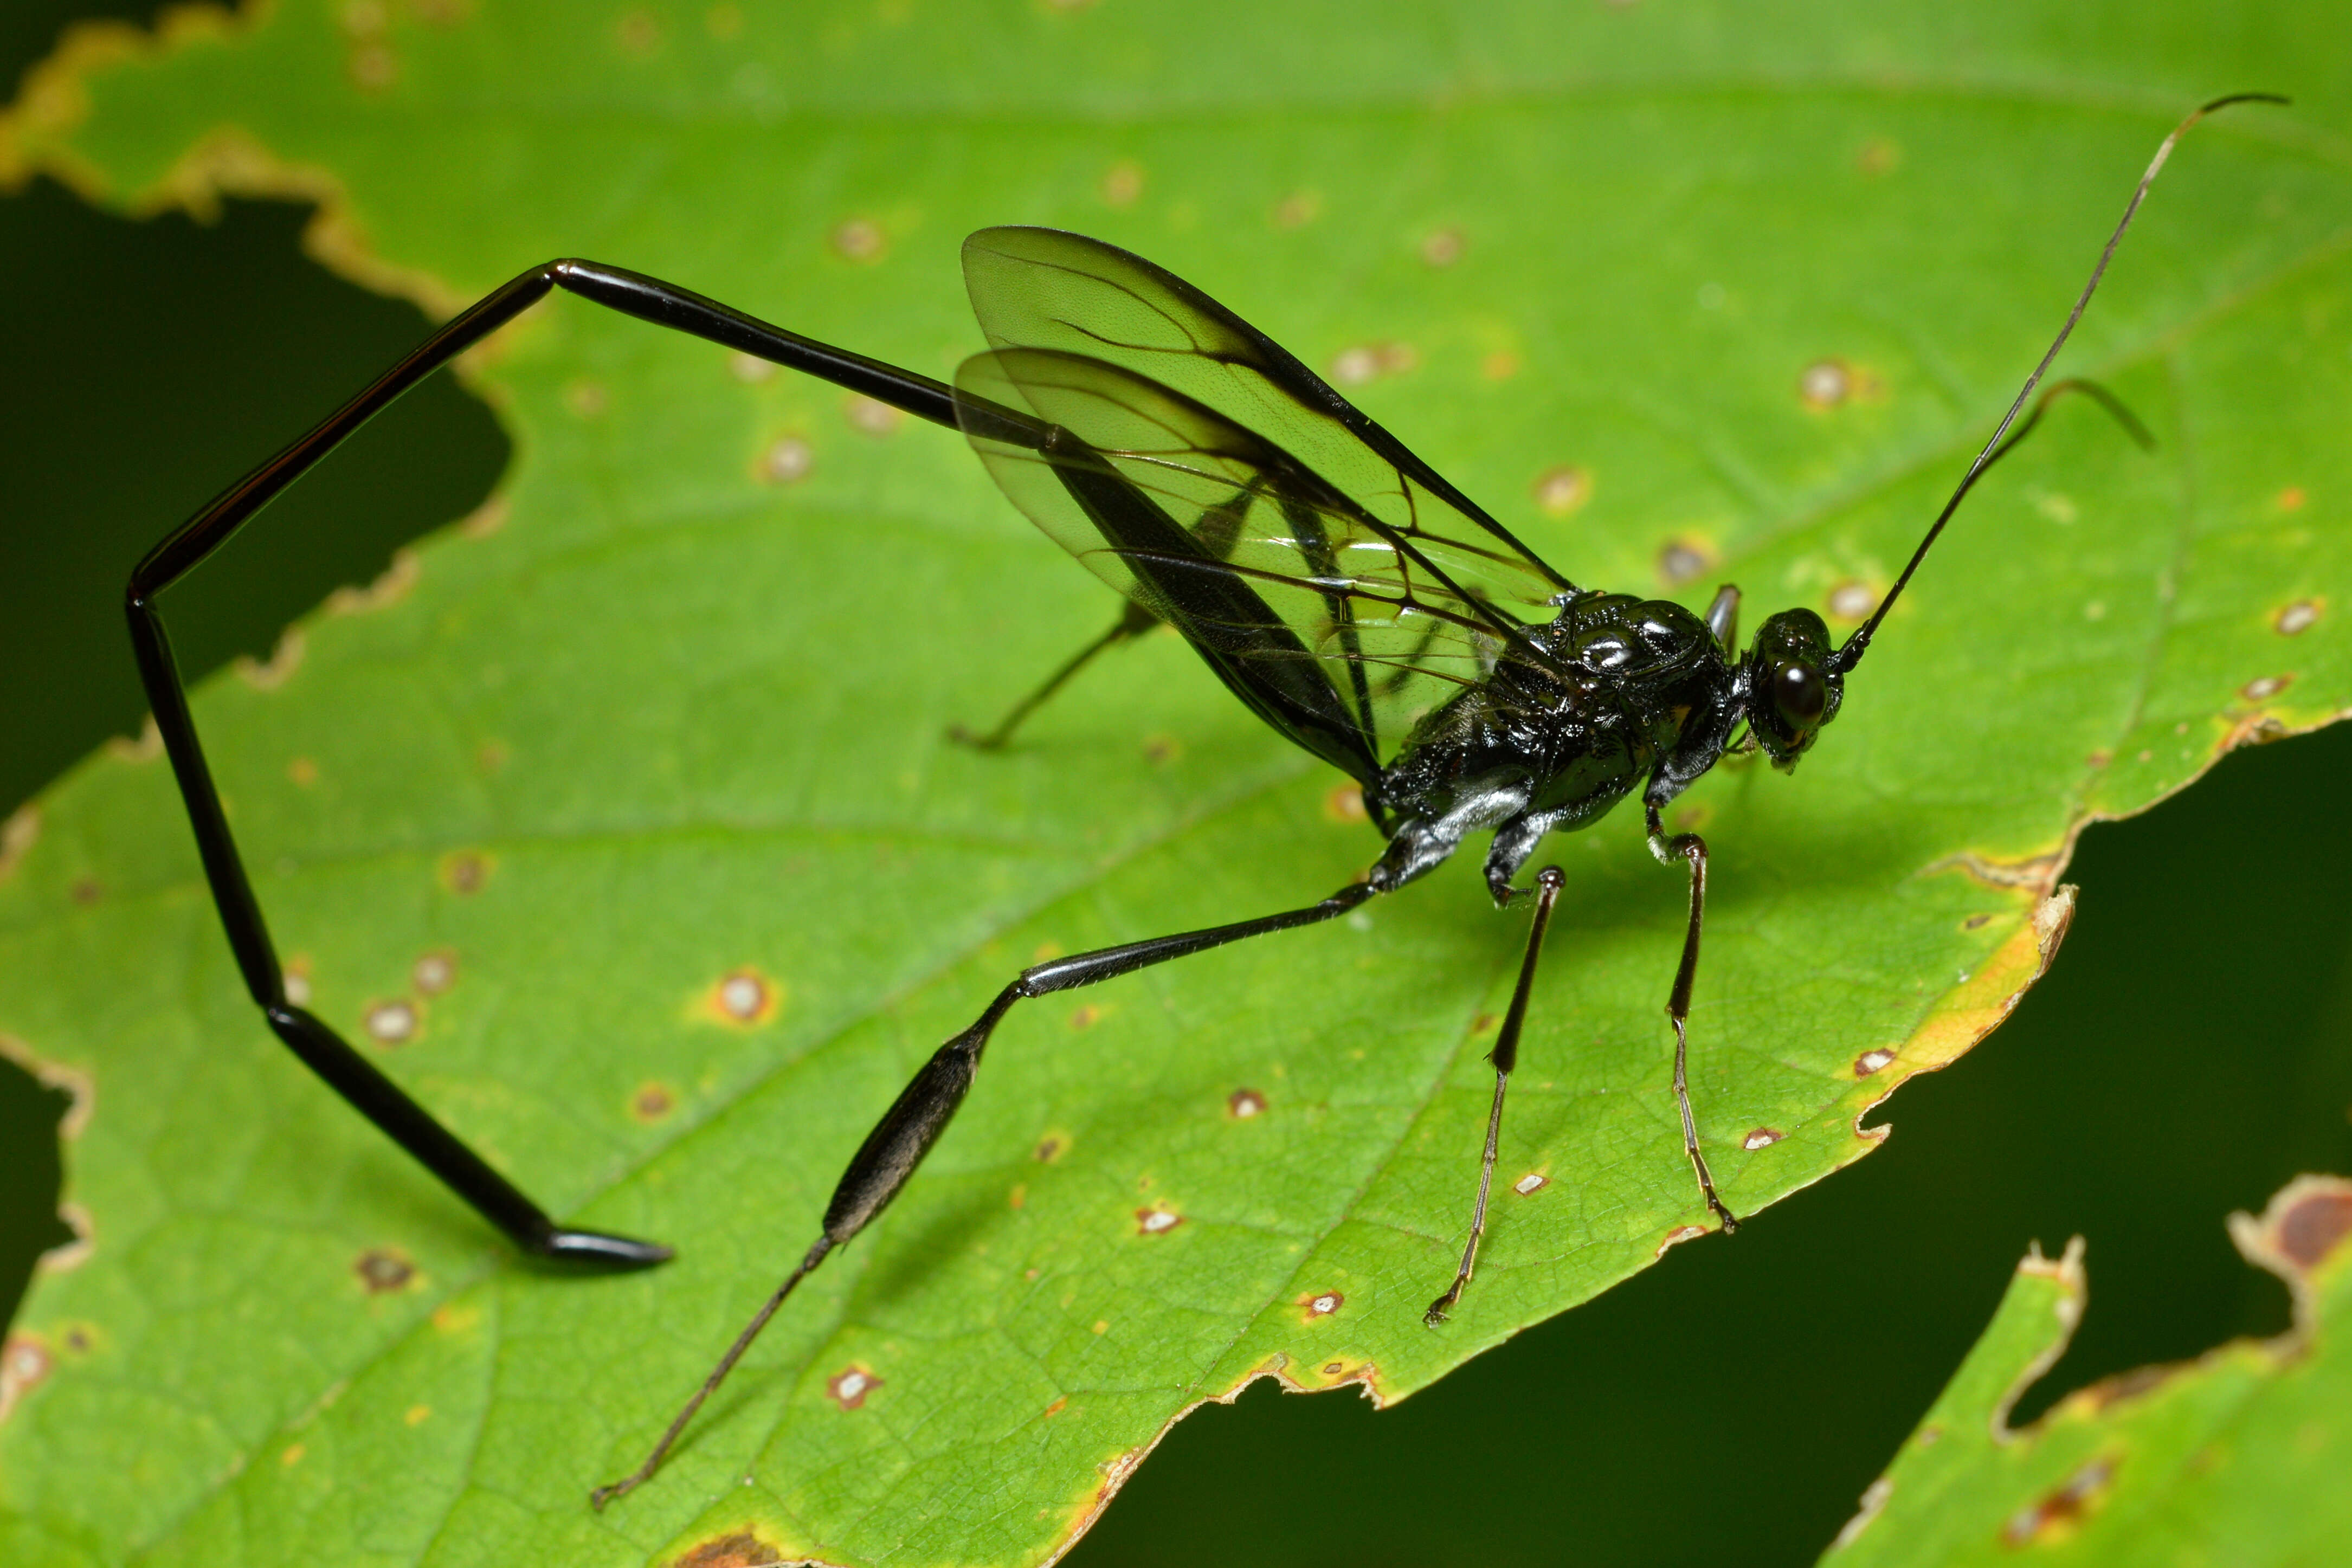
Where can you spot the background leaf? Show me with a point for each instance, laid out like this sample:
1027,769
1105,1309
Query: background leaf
2233,1456
1466,944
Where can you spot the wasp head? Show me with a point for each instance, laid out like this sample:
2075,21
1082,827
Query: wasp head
1793,685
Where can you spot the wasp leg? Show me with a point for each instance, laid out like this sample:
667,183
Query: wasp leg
1692,849
351,1075
1504,1056
1133,623
920,1113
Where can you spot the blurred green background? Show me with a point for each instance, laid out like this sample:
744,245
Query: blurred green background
2191,1049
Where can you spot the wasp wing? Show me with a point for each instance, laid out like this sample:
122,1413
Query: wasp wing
1334,628
1335,581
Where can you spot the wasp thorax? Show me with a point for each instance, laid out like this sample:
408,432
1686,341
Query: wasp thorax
1792,688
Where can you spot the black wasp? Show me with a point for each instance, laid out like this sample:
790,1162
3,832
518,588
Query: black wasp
1335,583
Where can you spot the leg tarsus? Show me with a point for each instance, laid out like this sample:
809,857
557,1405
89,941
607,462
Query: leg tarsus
630,1482
1133,623
1504,1056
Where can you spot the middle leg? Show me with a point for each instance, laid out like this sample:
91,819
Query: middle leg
1504,1056
1691,849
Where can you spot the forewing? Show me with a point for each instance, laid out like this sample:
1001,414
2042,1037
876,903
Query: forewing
1042,288
1332,626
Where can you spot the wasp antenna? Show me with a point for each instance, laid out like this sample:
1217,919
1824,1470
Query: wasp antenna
1850,655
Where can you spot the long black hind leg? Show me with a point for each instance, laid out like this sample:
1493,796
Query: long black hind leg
923,1109
1692,850
349,1073
1504,1056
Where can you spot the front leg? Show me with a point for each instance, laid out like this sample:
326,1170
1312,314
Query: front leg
1692,849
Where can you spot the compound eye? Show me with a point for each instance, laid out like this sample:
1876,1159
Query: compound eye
1802,695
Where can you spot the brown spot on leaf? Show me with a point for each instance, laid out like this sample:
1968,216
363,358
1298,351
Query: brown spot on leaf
86,891
1345,803
1052,1147
1297,209
786,460
1870,1061
2054,1517
2297,618
1156,1221
1444,248
1531,1183
638,33
1364,362
871,416
1161,749
2266,687
1243,1104
373,66
393,1022
1056,1407
1122,184
742,999
860,240
24,1365
1852,600
1827,383
1322,1304
651,1103
1976,921
1761,1138
434,972
740,1550
1682,560
1085,1016
1561,489
2291,498
850,1385
383,1270
466,872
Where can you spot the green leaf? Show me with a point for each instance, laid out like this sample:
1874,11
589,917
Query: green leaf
659,718
2237,1456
